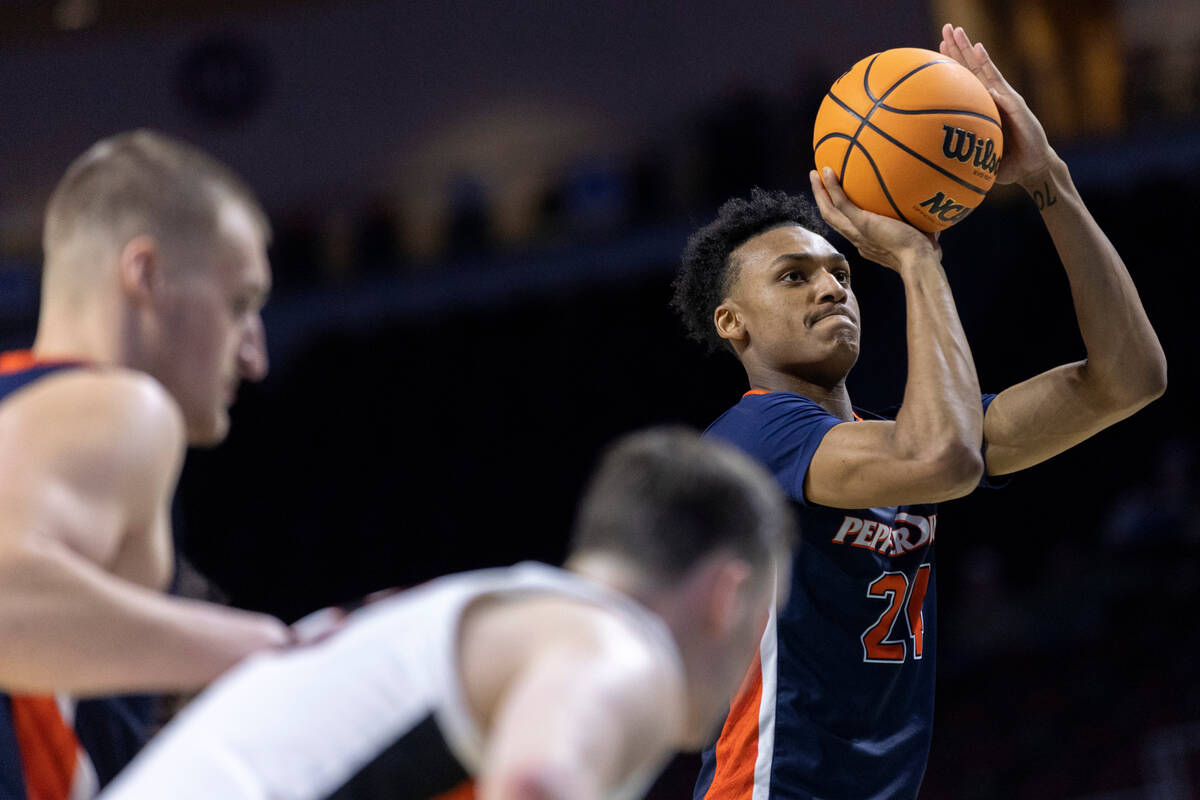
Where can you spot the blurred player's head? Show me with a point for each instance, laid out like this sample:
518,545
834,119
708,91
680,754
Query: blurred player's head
762,280
699,533
155,259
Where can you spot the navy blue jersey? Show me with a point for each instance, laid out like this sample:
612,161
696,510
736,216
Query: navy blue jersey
839,702
52,748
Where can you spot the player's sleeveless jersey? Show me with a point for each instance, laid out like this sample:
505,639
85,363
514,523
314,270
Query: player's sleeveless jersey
839,703
376,710
53,747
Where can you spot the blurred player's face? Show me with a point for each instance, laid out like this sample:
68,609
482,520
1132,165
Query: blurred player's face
791,308
211,328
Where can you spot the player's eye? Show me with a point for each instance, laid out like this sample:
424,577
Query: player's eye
791,276
241,306
842,275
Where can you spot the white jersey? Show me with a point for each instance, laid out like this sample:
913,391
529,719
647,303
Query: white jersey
374,710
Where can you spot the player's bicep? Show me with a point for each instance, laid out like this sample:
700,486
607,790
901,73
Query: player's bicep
1041,417
862,465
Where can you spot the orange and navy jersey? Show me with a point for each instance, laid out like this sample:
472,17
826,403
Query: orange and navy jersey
839,701
53,748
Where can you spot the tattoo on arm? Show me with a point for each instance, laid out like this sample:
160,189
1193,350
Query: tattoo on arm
1045,199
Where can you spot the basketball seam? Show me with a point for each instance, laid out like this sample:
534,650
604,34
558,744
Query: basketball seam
876,101
919,111
867,124
862,120
874,168
882,183
879,100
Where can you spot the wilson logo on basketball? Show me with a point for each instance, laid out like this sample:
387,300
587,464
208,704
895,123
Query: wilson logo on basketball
966,146
944,208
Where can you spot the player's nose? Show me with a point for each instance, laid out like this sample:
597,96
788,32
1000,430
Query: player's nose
253,363
828,288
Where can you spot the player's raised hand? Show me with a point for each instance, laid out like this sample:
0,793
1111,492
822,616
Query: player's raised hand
1027,152
877,238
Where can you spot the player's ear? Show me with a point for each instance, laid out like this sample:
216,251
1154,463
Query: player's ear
728,593
727,318
140,269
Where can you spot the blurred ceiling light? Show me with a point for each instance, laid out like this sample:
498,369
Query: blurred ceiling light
74,15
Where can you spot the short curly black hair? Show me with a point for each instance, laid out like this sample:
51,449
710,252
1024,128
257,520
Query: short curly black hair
706,273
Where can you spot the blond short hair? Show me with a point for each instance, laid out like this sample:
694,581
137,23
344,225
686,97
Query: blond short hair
143,182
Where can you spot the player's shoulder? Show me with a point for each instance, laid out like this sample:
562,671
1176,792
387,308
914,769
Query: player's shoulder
95,392
633,665
759,412
78,410
572,618
762,401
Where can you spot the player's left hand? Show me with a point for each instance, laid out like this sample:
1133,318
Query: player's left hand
1027,152
319,625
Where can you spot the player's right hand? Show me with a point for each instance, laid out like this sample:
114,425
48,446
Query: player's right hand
877,238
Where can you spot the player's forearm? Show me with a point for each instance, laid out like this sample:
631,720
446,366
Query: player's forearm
65,625
941,413
1125,361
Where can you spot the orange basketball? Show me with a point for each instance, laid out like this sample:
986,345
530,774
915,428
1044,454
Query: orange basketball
911,134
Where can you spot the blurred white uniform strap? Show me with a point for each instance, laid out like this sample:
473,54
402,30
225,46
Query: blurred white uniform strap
374,710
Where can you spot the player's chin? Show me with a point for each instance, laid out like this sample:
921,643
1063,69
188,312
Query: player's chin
209,431
841,341
842,352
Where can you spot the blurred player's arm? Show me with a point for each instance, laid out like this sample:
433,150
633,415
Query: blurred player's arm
1125,368
580,718
930,452
88,464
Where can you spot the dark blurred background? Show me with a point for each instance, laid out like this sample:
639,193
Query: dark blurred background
479,207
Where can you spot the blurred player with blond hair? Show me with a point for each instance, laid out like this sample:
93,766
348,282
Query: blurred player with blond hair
155,272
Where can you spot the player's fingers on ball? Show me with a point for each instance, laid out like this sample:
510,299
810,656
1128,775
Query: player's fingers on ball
836,219
948,35
824,204
961,38
830,182
818,188
838,195
970,56
949,46
824,184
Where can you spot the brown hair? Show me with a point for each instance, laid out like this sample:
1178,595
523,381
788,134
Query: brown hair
665,498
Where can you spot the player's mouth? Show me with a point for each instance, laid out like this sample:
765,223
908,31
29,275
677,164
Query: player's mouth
837,312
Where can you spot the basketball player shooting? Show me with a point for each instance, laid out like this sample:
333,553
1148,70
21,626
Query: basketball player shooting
840,701
540,683
155,271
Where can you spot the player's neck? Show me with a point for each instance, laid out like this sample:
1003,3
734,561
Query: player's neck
85,335
611,571
831,396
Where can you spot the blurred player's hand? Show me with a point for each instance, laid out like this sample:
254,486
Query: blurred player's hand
324,622
881,239
318,625
1027,152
